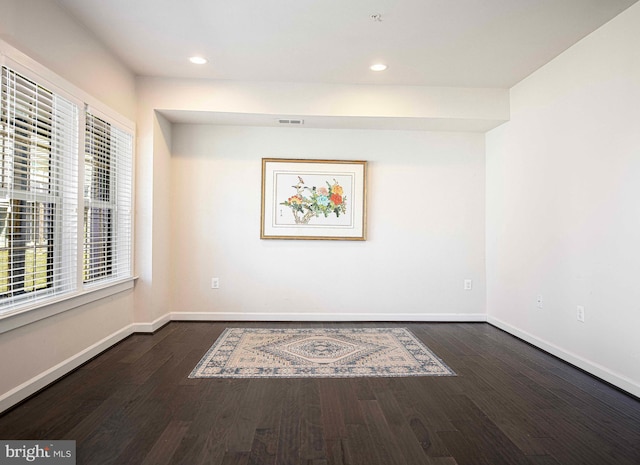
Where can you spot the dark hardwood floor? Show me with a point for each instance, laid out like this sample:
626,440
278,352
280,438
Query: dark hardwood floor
510,404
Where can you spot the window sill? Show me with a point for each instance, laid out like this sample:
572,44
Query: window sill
30,315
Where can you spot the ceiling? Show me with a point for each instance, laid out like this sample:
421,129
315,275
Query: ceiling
451,43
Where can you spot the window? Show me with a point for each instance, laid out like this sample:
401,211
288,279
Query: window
107,201
62,230
38,191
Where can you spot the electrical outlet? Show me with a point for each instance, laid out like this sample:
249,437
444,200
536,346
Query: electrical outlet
580,314
468,284
539,302
215,283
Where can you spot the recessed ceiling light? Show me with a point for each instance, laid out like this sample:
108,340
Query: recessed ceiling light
197,60
378,67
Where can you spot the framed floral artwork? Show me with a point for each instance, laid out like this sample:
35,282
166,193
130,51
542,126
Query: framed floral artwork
313,199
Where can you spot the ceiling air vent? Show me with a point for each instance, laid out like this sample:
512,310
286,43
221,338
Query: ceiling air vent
292,122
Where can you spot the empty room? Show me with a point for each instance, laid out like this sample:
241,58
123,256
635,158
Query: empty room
320,232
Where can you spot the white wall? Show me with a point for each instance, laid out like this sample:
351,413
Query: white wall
158,187
563,183
35,354
153,224
425,236
45,31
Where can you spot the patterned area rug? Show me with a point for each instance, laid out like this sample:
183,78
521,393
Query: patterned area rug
318,353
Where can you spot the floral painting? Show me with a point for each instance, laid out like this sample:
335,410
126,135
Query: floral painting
313,199
312,202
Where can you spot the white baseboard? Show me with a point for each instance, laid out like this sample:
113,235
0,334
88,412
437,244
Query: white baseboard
153,326
30,387
590,367
255,316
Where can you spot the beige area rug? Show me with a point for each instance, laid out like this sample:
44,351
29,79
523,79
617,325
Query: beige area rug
318,353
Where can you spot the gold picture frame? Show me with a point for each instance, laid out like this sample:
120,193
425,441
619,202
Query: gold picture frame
313,199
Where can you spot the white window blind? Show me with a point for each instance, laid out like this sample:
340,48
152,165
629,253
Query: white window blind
38,192
107,201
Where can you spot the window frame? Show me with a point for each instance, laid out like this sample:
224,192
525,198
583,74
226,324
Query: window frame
31,126
120,207
21,314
